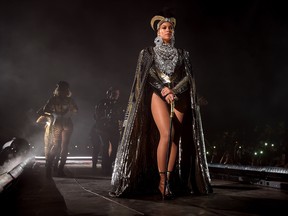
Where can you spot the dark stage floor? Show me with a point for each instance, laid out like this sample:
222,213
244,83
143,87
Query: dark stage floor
85,193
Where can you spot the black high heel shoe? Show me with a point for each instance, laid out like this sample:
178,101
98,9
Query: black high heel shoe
164,186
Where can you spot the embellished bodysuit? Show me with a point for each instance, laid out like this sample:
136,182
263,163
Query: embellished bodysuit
168,72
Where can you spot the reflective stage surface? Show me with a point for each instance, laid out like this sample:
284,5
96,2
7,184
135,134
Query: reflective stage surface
84,192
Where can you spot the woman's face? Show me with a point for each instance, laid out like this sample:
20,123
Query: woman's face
166,31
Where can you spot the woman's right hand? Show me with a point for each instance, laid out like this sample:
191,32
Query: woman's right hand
165,91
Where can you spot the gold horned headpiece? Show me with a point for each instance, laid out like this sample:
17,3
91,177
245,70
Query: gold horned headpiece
162,19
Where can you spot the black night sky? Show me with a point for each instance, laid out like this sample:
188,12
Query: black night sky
238,50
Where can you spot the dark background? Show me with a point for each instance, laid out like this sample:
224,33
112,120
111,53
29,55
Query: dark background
238,50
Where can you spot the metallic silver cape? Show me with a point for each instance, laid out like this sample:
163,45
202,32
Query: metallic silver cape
135,170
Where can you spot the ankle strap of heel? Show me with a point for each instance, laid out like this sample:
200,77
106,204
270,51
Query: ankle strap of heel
165,172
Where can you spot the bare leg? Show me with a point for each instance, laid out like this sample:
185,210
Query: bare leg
66,134
160,112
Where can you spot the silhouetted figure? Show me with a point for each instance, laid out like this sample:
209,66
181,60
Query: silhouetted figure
61,106
105,133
